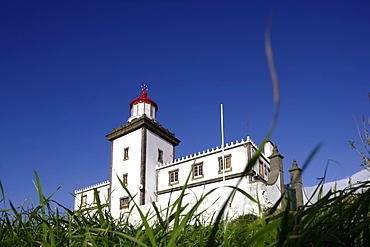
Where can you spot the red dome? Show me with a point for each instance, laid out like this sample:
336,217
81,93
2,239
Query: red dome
145,99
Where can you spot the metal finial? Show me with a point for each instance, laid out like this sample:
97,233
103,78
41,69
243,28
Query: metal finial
295,163
144,87
275,150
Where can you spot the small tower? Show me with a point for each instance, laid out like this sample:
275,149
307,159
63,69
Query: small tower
276,178
136,150
296,183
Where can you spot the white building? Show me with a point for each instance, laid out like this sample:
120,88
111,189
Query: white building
142,156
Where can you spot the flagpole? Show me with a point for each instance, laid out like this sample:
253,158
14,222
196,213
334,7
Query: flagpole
223,145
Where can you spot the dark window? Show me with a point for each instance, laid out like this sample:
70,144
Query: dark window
124,202
261,169
160,156
95,199
124,179
125,154
84,199
266,171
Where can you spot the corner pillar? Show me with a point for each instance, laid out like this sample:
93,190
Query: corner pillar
296,183
276,176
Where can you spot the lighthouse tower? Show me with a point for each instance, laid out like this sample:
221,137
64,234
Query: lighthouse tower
136,149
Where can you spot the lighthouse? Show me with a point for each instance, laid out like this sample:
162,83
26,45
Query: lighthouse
144,169
137,148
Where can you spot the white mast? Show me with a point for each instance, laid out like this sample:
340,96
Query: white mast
223,163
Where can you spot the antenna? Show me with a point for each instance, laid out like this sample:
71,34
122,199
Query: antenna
248,127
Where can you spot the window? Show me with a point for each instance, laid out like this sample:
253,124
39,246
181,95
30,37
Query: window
266,171
95,196
160,156
261,169
124,179
198,171
125,154
124,202
221,164
174,177
84,199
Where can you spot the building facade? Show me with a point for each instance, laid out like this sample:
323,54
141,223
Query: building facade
143,159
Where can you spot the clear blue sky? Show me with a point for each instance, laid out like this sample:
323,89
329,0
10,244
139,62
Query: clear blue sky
69,69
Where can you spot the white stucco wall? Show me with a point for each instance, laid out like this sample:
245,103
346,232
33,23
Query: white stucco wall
209,158
253,185
240,204
274,192
154,142
267,150
131,167
102,189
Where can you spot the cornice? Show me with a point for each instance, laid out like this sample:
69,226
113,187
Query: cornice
149,124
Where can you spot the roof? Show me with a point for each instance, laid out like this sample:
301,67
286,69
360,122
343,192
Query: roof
145,99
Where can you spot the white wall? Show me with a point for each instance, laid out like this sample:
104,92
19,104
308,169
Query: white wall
239,159
102,189
130,167
240,204
274,192
154,143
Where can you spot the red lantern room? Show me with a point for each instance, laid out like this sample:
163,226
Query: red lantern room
143,105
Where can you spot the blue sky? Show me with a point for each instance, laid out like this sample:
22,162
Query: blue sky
69,70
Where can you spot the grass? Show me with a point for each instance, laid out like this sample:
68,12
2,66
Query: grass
338,218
